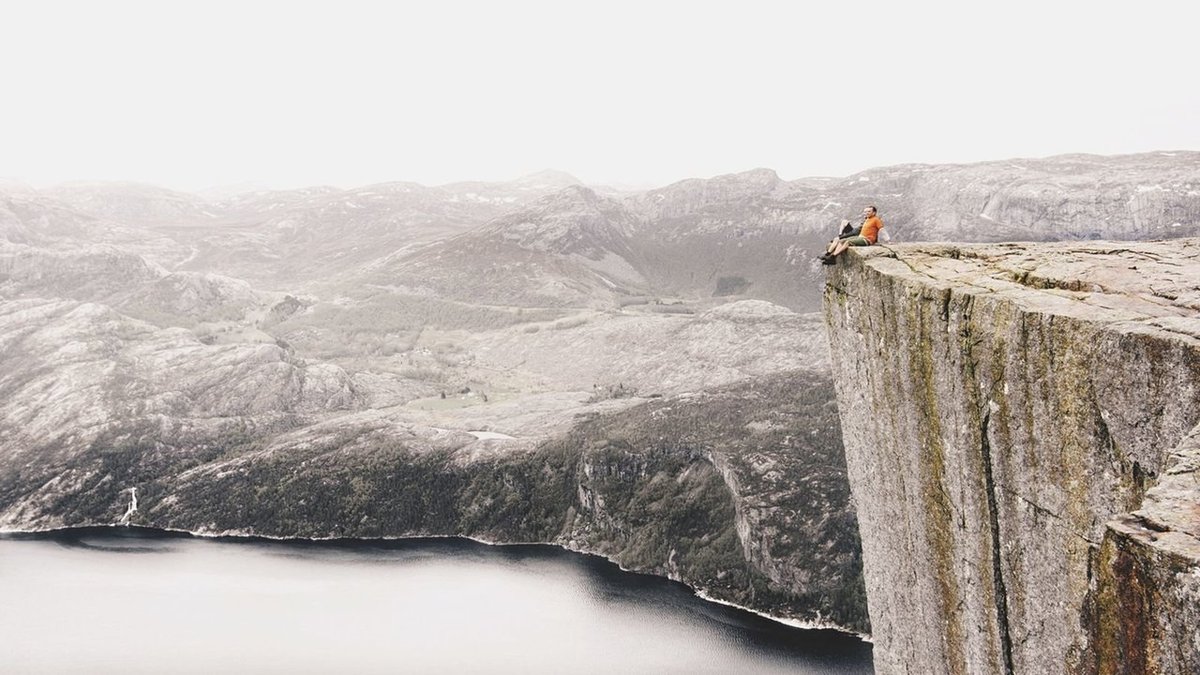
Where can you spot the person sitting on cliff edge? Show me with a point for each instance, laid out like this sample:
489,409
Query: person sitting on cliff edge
867,236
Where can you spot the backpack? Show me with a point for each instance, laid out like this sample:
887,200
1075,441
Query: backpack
849,230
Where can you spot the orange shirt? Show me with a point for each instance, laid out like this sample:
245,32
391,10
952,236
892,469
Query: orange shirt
870,229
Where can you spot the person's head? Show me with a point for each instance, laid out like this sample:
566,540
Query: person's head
869,211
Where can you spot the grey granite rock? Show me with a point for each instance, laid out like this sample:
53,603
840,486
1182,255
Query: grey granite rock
1146,611
1001,404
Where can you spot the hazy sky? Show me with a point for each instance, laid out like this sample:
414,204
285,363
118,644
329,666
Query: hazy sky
196,94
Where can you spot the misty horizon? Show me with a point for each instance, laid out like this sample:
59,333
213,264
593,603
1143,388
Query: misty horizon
231,189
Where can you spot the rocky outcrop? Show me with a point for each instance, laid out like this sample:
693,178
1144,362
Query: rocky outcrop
84,273
1147,603
72,368
1014,418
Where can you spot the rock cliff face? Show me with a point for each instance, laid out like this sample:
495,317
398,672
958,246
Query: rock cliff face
1020,430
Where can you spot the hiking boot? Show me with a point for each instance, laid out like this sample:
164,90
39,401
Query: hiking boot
829,260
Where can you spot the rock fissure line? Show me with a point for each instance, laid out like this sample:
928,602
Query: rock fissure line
1001,593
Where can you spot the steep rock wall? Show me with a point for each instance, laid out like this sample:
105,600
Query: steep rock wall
1001,404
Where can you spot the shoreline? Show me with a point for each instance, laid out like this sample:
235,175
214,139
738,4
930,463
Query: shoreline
241,536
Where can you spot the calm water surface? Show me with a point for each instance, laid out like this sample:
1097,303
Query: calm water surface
129,601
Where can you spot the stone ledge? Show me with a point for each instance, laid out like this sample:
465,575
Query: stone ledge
1172,507
1153,282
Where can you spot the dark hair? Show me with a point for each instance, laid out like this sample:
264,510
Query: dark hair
873,209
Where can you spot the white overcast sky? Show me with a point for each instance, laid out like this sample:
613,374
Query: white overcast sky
196,94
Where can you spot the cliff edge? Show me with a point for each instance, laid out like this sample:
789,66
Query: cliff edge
1020,423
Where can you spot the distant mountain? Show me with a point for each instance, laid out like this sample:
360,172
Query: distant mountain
737,235
89,273
541,182
310,235
749,234
1070,197
714,197
570,248
274,237
133,203
572,221
754,235
26,217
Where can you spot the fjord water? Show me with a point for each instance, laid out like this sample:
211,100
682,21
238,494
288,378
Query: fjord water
130,601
